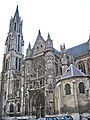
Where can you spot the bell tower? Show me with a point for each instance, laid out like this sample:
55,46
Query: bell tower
13,58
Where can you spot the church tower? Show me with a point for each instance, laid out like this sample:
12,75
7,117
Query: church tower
13,58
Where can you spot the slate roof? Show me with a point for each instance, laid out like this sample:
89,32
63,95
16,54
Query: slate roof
56,51
72,71
77,50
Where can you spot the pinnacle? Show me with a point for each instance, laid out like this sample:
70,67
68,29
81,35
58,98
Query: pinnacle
48,36
17,12
39,33
29,46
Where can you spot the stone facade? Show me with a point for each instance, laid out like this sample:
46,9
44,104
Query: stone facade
34,85
72,93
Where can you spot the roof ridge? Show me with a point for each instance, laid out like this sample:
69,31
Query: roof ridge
77,45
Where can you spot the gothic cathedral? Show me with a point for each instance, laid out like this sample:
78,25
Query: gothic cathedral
46,81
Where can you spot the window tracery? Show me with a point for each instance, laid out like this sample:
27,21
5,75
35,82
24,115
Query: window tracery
81,66
81,87
38,67
67,89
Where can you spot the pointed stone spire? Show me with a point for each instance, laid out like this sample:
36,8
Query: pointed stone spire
16,13
29,46
28,51
49,43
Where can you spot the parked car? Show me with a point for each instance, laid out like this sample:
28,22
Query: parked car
41,118
65,117
48,118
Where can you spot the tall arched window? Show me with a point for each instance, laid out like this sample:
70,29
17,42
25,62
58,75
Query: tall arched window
9,44
67,89
19,64
5,95
60,70
81,87
11,108
16,63
18,43
15,26
6,67
88,64
56,65
20,28
81,67
18,107
4,108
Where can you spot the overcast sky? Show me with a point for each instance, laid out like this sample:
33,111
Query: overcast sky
67,21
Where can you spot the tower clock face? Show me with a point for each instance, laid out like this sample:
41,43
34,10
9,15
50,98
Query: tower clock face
38,67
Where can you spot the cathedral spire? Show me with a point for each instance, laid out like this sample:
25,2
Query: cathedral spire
16,13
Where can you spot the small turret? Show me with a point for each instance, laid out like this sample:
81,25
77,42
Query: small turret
28,51
49,43
63,58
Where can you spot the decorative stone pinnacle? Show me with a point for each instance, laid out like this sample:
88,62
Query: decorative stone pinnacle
48,36
39,33
29,46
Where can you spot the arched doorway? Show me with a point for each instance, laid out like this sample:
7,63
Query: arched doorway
38,105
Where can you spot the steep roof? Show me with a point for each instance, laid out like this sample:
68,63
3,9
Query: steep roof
38,38
72,71
77,50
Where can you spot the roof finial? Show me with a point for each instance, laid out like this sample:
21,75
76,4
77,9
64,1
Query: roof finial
17,8
29,46
48,36
39,33
17,12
